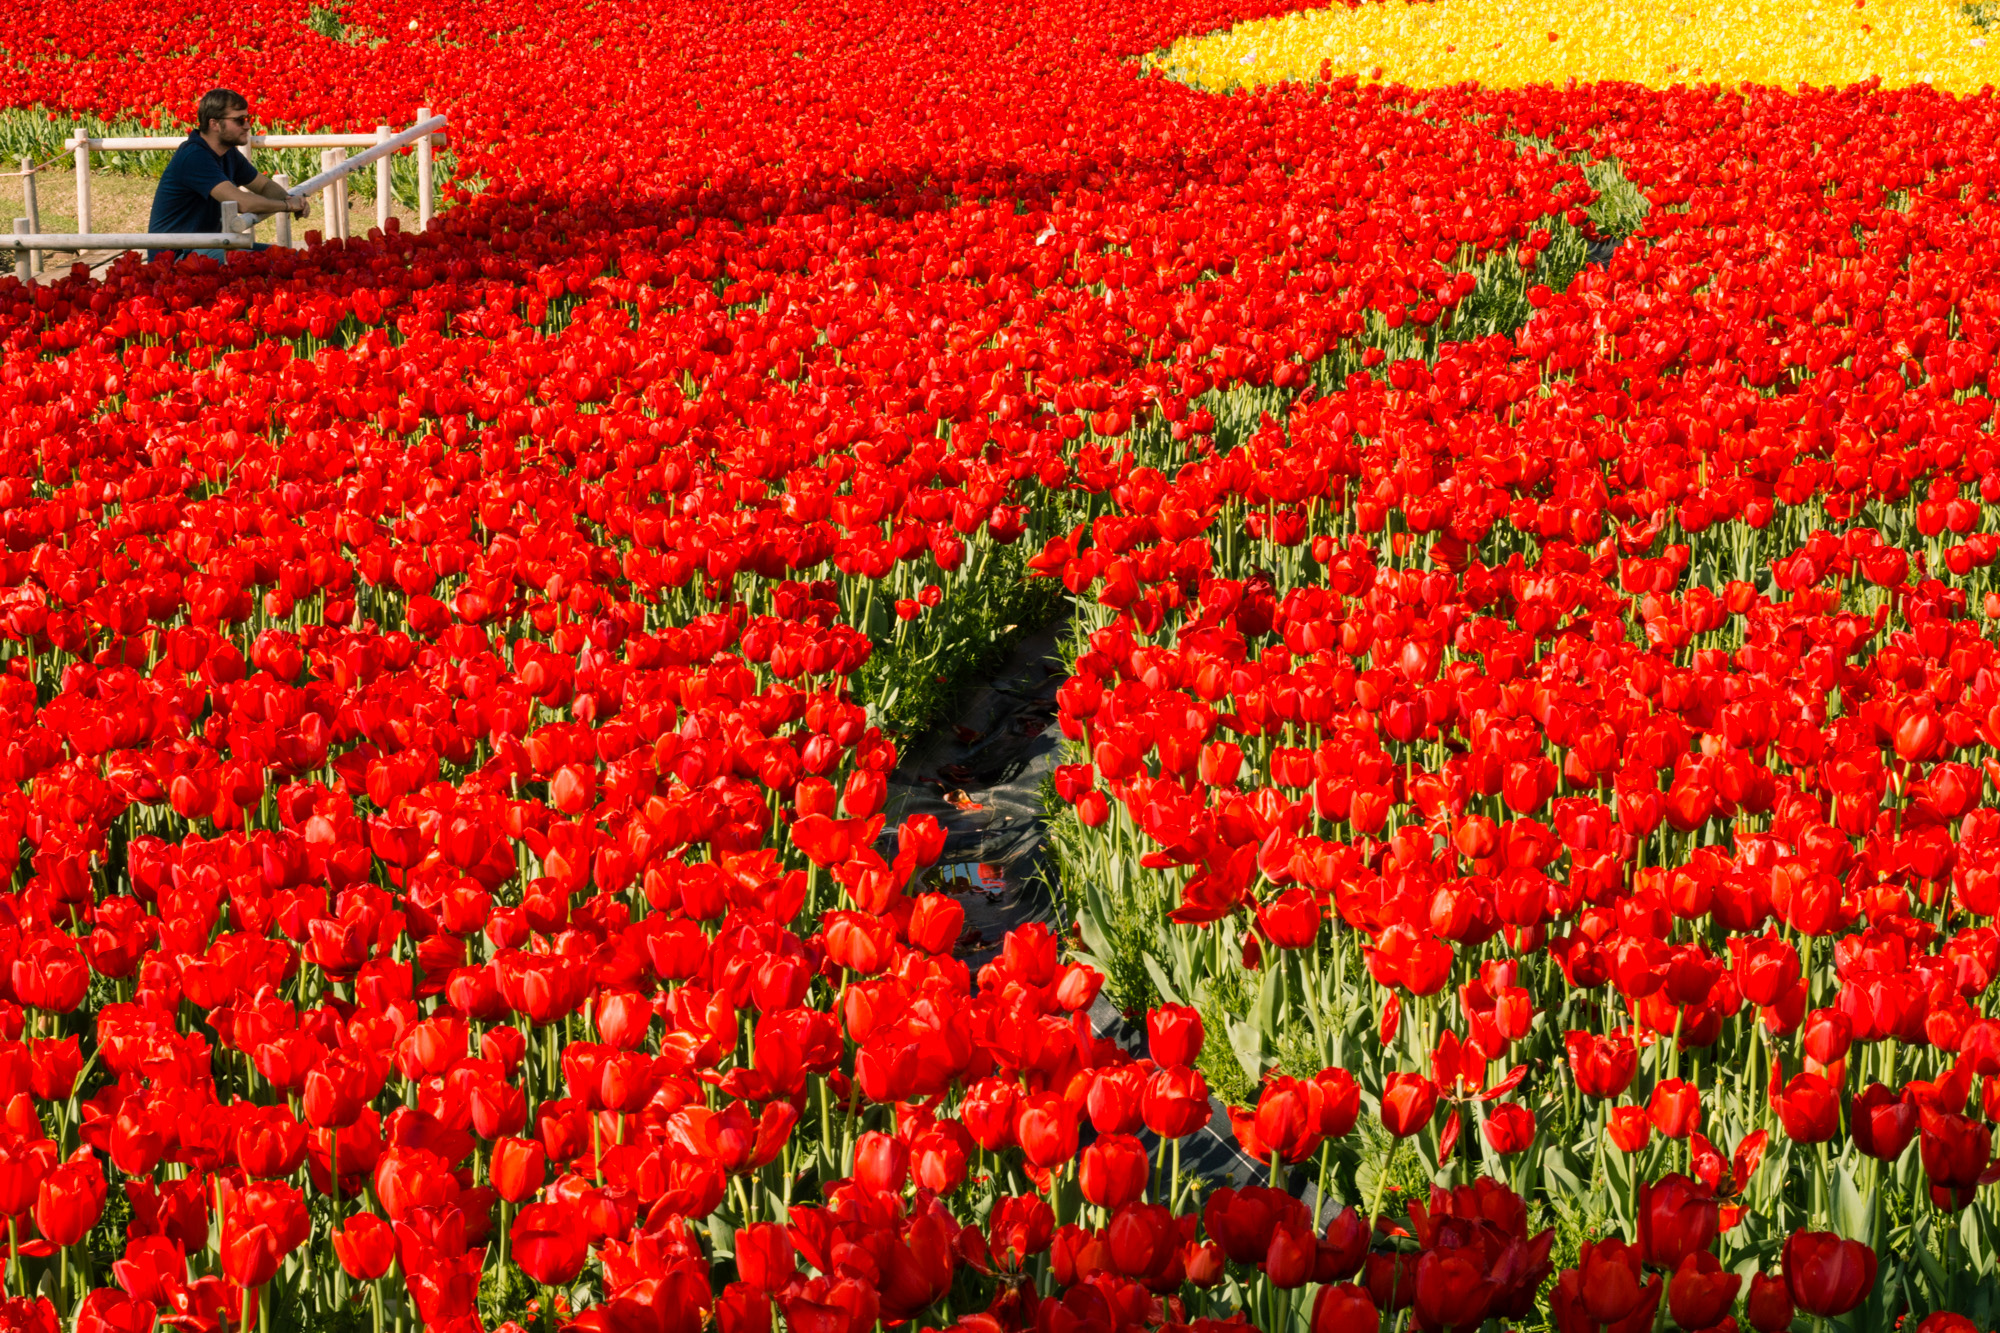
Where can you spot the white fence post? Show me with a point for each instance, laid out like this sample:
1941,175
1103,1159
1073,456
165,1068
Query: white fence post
29,195
82,180
337,195
283,239
330,224
382,133
424,205
30,198
22,268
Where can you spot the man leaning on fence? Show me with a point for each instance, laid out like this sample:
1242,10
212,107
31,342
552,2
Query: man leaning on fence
210,170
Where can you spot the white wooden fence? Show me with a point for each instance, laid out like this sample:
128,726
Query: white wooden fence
28,238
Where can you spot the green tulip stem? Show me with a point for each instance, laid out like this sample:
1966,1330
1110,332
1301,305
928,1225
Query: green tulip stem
1382,1181
1950,1270
1325,1164
1634,1165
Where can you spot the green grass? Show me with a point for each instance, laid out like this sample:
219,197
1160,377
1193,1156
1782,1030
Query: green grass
919,668
326,20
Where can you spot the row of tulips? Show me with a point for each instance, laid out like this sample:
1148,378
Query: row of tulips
1581,735
448,752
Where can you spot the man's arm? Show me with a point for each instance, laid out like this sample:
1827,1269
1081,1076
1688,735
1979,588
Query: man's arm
271,198
270,189
267,187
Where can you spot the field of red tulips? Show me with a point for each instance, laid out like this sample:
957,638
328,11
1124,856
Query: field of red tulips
1532,721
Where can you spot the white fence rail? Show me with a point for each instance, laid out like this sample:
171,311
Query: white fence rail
331,182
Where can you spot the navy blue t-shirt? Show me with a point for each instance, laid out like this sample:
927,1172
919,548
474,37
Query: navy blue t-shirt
183,203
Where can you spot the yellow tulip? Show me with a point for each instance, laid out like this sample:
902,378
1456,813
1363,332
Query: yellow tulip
1776,43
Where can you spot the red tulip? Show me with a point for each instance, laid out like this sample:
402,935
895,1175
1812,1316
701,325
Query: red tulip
136,1144
548,1243
1610,1283
764,1256
740,1309
1510,1129
1675,1109
1678,1216
1701,1292
1174,1035
268,1142
1881,1122
936,922
1955,1150
988,1110
839,1305
1630,1128
23,1164
1113,1101
1113,1171
69,1200
518,1168
1339,1102
1291,920
1242,1220
623,1019
1392,1281
1142,1240
1827,1276
1766,967
1808,1107
497,1109
1204,1264
1292,1254
1946,1321
881,1162
1826,1036
106,1310
250,1254
1046,1127
1453,1289
1603,1066
50,974
54,1067
939,1156
1344,1248
1175,1102
1769,1305
365,1246
1019,1228
1408,1103
1287,1119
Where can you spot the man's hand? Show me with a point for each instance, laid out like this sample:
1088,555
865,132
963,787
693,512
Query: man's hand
301,206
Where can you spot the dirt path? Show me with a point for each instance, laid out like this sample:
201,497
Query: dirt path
981,774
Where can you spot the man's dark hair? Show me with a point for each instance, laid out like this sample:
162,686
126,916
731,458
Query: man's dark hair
214,105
